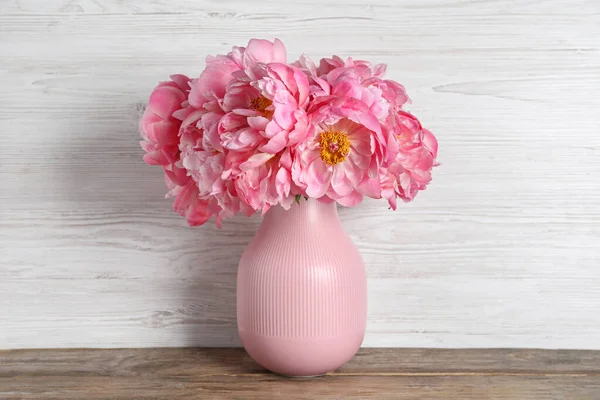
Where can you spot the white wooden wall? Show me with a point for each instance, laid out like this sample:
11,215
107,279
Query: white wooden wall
503,250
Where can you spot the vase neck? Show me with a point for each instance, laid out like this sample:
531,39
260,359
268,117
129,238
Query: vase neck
310,212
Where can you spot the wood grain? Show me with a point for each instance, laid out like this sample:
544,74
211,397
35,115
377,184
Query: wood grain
230,374
501,251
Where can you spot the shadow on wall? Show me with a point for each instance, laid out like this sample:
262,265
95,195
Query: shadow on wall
175,285
209,317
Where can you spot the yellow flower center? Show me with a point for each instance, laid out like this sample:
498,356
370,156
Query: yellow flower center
335,146
260,104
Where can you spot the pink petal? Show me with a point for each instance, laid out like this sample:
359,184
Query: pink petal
373,170
430,142
243,140
165,100
239,95
307,63
272,129
256,161
318,179
259,123
285,73
228,123
395,93
177,175
392,147
246,112
353,172
276,143
351,200
163,133
326,199
182,81
183,113
392,202
371,123
370,187
283,181
214,79
198,214
301,129
171,152
361,161
279,51
303,87
147,119
379,70
155,158
286,159
192,117
339,183
260,50
185,197
284,115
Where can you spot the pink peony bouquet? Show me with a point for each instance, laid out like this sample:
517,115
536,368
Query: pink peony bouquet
254,131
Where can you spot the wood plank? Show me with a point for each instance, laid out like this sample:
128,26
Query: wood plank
229,374
239,8
174,362
330,387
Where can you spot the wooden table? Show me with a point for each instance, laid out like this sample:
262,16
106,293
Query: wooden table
193,373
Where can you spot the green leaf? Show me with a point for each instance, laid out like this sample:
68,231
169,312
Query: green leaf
298,197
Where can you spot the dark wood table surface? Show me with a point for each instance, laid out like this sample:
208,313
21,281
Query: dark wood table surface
201,373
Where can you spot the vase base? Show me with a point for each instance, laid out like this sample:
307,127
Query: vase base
301,357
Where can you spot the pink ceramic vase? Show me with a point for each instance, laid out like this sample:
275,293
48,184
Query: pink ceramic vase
301,292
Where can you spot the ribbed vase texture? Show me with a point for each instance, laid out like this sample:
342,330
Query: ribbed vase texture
301,292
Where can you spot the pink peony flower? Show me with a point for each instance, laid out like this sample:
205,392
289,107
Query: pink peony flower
252,132
266,181
203,120
203,162
160,130
210,85
410,172
266,108
158,127
207,92
335,162
369,76
343,158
